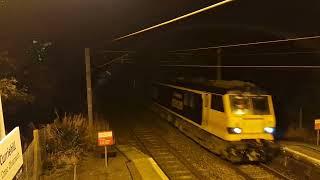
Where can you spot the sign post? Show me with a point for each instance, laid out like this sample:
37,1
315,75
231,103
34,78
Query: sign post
317,128
2,127
106,156
105,138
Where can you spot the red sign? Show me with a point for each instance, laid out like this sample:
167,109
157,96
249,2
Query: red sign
317,124
105,138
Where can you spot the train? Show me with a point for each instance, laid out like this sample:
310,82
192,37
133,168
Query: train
233,119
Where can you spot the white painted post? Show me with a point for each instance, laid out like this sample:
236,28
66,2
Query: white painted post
2,126
106,156
74,171
318,137
36,155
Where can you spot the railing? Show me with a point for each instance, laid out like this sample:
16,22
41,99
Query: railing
32,164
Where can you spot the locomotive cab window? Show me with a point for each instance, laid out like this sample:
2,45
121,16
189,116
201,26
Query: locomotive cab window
240,104
217,103
254,105
260,105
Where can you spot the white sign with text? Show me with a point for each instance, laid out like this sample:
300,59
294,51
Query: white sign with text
11,158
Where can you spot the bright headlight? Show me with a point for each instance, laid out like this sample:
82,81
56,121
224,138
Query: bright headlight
269,130
234,130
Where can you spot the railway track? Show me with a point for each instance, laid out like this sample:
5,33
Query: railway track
175,166
260,171
168,147
169,160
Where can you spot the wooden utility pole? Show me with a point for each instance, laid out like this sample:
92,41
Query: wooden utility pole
219,64
2,126
89,89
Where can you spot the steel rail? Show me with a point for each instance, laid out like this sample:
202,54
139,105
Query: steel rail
275,172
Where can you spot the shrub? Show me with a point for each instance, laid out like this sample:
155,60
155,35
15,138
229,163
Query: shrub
299,134
67,140
9,90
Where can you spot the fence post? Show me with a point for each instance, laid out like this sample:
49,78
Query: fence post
36,155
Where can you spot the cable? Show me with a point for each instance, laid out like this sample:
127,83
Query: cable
213,66
275,53
175,19
116,51
271,53
113,60
250,44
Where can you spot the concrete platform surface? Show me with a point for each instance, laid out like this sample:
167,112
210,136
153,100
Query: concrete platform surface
93,168
146,166
310,153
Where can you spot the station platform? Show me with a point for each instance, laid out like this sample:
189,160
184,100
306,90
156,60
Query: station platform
302,151
146,167
129,163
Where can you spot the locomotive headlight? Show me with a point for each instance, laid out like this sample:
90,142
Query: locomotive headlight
269,130
234,130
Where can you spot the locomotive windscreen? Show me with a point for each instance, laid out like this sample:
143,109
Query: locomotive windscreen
255,105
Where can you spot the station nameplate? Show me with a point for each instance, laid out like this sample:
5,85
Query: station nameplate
11,158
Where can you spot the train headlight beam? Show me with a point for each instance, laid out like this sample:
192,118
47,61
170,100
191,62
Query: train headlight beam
235,130
269,130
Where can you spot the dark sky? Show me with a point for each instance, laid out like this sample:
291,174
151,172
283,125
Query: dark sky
96,22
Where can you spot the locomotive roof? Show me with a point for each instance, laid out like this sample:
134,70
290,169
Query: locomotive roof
219,86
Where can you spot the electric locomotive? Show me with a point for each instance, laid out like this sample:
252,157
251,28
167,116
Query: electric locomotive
233,119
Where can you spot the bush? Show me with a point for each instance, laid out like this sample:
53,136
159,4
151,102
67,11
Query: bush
299,134
67,140
10,91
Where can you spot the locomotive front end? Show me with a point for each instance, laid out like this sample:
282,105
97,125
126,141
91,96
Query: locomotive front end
251,121
249,117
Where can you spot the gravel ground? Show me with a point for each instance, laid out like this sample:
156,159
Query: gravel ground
295,172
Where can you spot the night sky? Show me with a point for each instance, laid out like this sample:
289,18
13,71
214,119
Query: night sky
76,24
96,22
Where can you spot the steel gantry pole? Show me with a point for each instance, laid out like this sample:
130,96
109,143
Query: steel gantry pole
89,88
219,73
